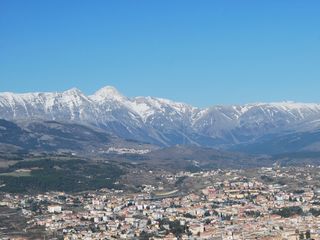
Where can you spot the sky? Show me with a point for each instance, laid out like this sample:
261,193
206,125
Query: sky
202,52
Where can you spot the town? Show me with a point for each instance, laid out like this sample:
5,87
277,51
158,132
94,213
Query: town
266,203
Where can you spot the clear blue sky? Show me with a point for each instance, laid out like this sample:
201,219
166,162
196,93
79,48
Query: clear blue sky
199,52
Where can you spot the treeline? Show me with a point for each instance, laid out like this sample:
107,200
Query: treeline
287,212
67,176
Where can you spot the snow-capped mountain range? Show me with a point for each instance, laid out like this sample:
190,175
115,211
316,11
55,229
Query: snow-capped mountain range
163,122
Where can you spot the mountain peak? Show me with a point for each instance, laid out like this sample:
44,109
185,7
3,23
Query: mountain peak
107,93
72,91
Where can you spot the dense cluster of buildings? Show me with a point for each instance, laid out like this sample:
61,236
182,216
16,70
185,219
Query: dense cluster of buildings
237,207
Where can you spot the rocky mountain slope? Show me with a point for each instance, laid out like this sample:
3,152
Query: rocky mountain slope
164,122
57,137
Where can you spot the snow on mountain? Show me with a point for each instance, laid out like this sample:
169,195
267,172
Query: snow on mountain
159,120
107,93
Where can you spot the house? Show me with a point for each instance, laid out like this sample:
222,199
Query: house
54,209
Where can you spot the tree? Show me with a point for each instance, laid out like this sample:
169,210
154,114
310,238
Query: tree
207,214
144,236
308,234
289,211
176,228
315,212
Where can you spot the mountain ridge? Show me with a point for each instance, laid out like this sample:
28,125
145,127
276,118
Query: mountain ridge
161,121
